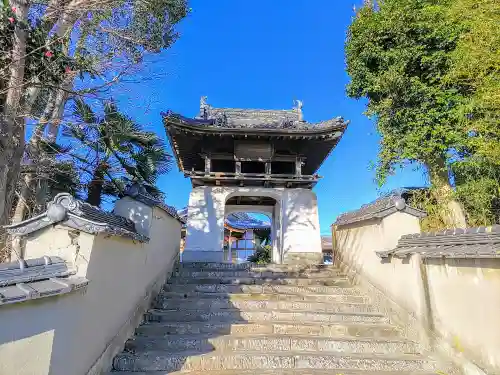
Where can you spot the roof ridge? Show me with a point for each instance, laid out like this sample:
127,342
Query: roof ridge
253,109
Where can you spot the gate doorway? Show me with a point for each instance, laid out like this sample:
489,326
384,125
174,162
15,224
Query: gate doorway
249,225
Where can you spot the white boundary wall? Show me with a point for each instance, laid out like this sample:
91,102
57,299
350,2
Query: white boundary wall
452,305
80,333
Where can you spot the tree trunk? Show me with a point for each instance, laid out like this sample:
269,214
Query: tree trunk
33,154
11,120
58,109
52,115
22,204
452,212
71,11
20,213
94,196
12,123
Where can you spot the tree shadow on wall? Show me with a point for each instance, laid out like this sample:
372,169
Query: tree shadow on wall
298,219
202,220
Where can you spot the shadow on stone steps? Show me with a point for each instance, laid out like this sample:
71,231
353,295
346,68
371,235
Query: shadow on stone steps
198,324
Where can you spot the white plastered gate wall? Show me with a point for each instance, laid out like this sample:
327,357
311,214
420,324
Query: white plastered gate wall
295,221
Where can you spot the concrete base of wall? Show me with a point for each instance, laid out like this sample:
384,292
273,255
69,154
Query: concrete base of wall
303,258
203,256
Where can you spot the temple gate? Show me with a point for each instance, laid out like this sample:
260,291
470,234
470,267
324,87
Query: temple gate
260,160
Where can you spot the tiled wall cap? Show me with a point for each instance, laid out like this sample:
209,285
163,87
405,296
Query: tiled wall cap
77,214
400,204
478,242
56,212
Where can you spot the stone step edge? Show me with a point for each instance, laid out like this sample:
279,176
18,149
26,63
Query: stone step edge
282,322
178,296
223,294
215,284
247,267
236,310
243,265
260,277
291,353
194,300
298,360
207,336
270,279
256,272
296,371
347,349
333,288
238,281
227,325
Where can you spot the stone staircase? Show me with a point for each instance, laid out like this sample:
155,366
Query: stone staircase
232,319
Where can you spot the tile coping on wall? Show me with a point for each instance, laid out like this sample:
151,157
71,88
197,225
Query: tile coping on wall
477,242
37,278
74,213
71,212
384,206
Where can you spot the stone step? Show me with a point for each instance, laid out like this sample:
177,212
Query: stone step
235,315
343,288
249,266
255,305
275,343
161,361
337,281
338,298
256,273
337,371
163,329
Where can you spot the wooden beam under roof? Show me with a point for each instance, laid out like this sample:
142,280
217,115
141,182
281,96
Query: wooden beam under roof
198,181
252,179
231,156
261,176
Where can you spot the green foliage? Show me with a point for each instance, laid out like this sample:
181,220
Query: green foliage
129,29
262,255
425,200
46,60
397,58
64,179
430,70
111,151
476,65
478,189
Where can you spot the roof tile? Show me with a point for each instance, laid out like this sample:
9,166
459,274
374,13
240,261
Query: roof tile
381,207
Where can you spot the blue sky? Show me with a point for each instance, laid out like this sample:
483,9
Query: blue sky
264,54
